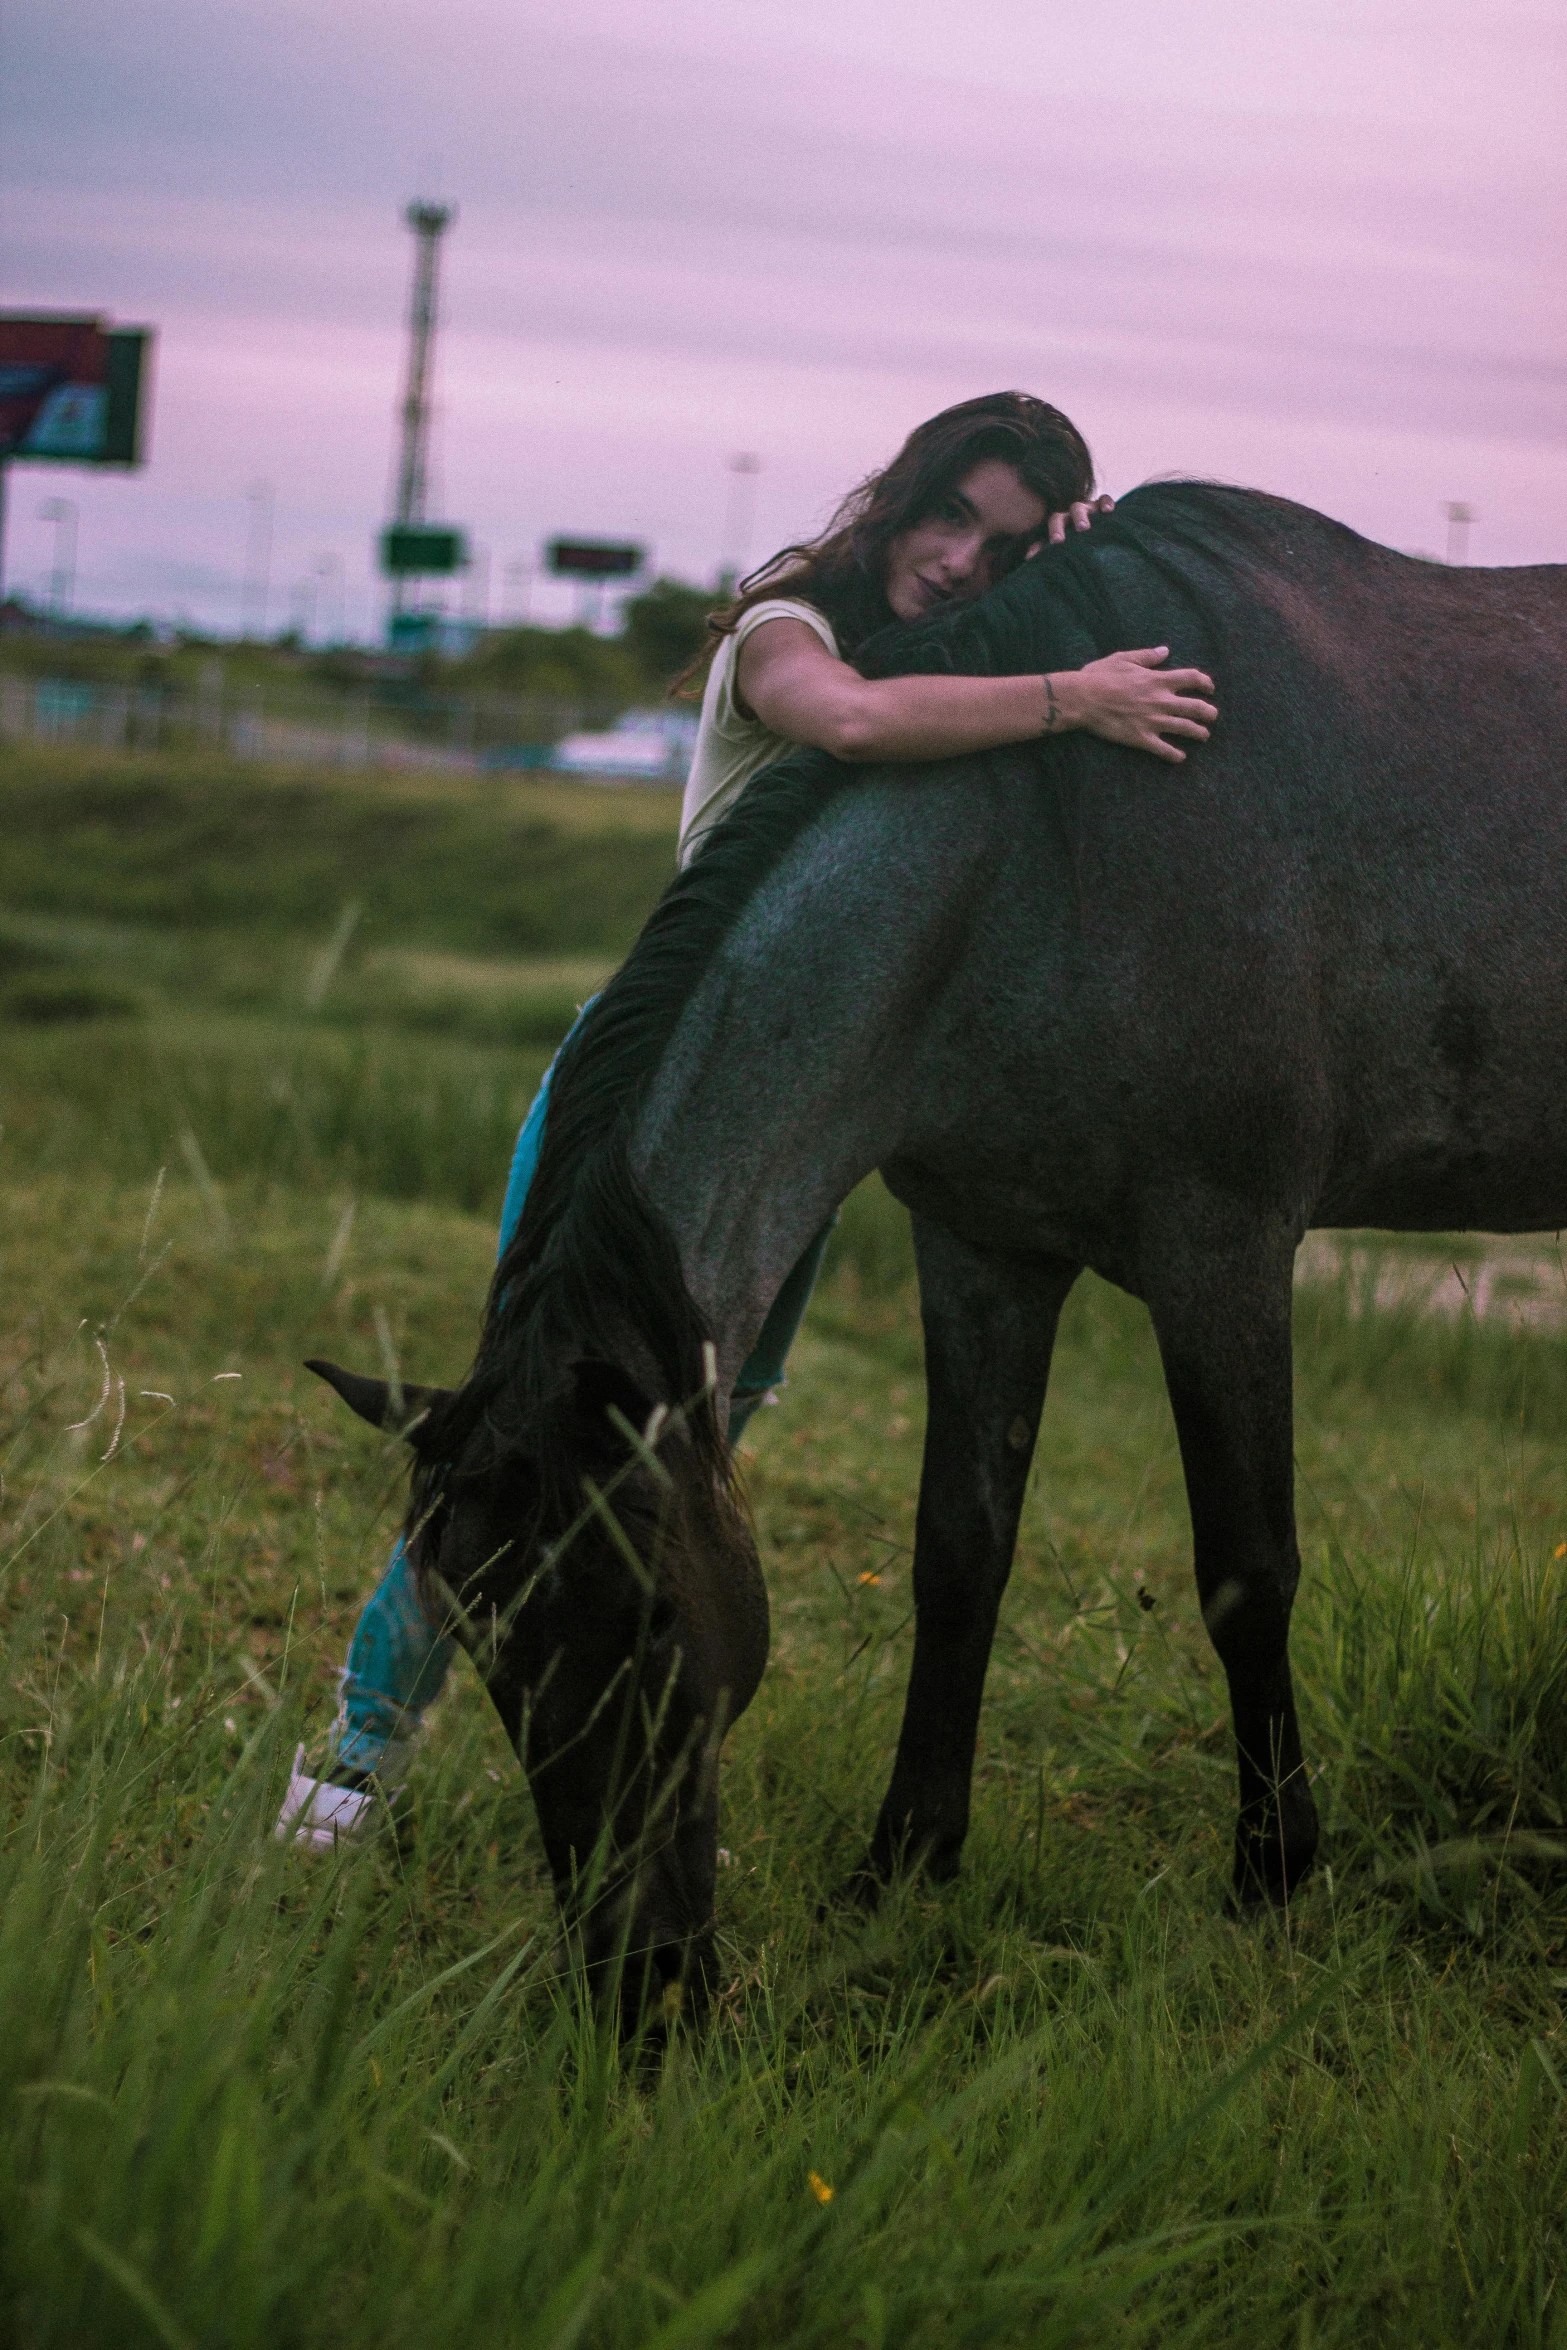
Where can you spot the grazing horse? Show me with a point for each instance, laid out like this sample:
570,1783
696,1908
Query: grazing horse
1079,1011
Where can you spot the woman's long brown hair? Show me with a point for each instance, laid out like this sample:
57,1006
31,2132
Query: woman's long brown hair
843,570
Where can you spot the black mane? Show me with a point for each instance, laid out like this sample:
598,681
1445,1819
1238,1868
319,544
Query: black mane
591,1256
1207,543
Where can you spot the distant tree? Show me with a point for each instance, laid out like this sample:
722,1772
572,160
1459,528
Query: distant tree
342,666
666,627
567,664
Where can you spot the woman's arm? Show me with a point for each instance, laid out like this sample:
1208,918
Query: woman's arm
787,677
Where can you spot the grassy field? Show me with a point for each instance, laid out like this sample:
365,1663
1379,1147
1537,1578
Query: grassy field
252,2099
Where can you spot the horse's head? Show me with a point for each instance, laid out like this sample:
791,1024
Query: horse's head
600,1573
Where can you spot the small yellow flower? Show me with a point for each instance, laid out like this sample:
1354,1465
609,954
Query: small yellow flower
875,1580
1561,1550
819,2187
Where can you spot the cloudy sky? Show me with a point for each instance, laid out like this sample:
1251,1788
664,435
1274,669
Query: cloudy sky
1316,245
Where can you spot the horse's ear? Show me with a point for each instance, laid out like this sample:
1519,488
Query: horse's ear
372,1399
597,1387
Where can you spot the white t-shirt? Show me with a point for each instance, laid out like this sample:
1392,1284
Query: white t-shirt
730,749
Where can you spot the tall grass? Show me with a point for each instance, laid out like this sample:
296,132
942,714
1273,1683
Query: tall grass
249,2099
367,1112
1437,1710
1433,1362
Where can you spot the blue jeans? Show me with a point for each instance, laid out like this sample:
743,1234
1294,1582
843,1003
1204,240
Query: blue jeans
397,1659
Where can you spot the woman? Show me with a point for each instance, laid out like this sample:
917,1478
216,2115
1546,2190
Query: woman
967,498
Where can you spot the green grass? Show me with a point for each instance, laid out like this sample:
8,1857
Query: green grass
322,981
249,2099
490,865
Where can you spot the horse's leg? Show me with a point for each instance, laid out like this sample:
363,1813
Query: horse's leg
1218,1288
990,1326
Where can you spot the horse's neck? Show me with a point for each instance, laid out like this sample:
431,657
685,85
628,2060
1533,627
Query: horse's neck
787,1078
745,1161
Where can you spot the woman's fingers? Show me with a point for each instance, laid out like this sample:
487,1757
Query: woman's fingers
1150,736
1080,515
1176,698
1182,681
1135,700
1146,730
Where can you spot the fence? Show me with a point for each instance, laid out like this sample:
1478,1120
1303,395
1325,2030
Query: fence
361,731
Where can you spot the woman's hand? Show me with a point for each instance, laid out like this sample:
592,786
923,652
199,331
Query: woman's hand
1080,516
1129,698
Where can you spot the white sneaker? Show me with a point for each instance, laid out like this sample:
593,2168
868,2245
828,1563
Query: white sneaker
319,1816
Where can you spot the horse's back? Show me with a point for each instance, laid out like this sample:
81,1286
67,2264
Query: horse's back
1381,879
1323,962
1431,826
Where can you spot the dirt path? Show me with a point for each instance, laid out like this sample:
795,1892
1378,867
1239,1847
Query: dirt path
1518,1279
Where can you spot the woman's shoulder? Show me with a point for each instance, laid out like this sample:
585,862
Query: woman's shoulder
722,714
782,608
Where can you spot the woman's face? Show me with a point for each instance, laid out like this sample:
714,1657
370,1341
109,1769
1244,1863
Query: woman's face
962,547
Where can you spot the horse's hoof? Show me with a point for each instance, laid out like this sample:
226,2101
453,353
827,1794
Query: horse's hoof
860,1892
1267,1874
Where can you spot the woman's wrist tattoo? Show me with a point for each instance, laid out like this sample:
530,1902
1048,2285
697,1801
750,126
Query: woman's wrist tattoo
1052,708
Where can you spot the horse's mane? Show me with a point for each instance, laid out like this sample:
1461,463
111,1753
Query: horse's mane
591,1257
1212,546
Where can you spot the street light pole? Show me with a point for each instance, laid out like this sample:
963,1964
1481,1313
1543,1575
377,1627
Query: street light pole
476,588
258,561
740,513
328,568
302,611
519,576
62,579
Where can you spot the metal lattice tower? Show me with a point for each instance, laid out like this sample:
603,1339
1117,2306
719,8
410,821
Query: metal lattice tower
428,222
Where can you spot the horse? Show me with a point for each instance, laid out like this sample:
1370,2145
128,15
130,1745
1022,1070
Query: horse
1080,1009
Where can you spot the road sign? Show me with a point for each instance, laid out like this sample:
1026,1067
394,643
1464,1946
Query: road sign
594,558
411,550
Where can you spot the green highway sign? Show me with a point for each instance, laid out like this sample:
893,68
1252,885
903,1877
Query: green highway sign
417,549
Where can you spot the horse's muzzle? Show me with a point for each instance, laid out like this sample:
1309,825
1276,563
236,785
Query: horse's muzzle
644,1955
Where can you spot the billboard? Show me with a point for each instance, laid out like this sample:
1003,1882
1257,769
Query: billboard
412,550
594,558
72,390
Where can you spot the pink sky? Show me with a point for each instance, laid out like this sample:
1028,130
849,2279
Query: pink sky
1317,247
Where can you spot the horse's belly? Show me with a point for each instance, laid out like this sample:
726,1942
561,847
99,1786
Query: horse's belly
1450,1107
1493,1159
1477,1193
996,1211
